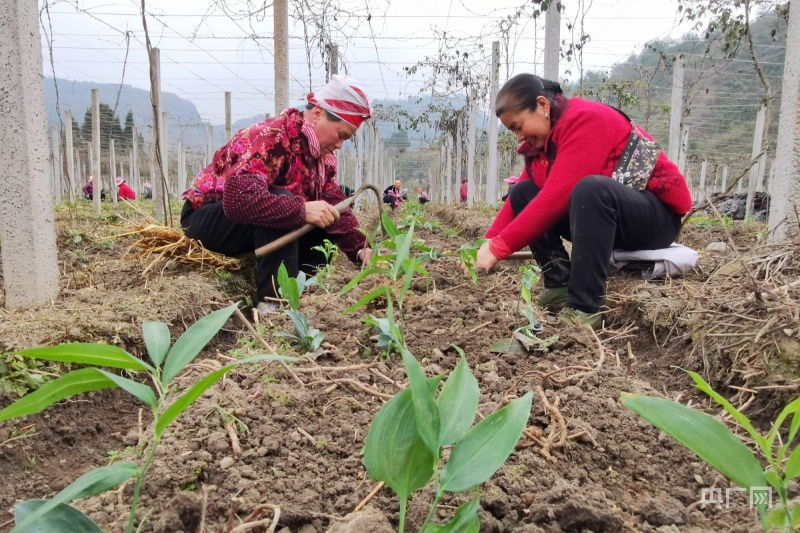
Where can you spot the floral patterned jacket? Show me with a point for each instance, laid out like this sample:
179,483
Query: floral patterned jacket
278,152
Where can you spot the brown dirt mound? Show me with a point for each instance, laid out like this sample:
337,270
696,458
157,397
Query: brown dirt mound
586,463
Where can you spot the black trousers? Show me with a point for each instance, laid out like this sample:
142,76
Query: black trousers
218,233
604,215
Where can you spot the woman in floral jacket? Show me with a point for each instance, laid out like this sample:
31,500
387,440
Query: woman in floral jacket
276,176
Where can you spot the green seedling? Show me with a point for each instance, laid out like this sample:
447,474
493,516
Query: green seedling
528,334
165,402
390,336
406,440
75,237
468,253
718,446
308,338
401,266
331,253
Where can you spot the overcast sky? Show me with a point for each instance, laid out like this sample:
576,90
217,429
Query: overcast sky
205,52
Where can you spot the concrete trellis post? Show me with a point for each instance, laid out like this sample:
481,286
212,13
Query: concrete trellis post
459,159
112,165
28,255
55,155
359,155
724,178
676,112
785,186
752,180
97,185
473,119
159,143
136,177
552,41
492,176
228,127
281,46
447,186
370,177
69,152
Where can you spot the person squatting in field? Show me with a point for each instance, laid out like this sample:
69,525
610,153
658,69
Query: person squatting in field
572,147
276,176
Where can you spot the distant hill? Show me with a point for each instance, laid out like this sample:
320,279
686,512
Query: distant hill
183,116
75,96
721,96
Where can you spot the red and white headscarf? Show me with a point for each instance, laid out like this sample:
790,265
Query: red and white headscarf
343,98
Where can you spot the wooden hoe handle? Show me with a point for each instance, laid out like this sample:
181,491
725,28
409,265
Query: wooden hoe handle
299,232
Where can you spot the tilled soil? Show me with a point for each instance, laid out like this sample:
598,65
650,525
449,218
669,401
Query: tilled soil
585,464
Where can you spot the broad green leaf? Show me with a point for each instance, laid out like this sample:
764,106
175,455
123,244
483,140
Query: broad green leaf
791,408
465,520
406,285
75,382
157,339
288,287
143,392
361,275
795,511
483,450
738,416
372,295
193,340
403,251
778,518
187,398
793,427
62,517
88,354
708,438
458,403
394,451
792,468
299,321
425,409
389,226
93,482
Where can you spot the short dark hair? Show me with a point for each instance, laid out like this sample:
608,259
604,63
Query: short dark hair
520,93
331,116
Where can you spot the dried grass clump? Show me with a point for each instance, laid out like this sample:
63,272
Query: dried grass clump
744,321
167,243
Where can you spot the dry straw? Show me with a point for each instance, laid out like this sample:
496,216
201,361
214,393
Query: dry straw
165,243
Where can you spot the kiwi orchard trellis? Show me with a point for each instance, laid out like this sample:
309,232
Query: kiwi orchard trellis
367,159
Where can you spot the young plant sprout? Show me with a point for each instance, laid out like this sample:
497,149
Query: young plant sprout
405,443
308,338
718,446
165,403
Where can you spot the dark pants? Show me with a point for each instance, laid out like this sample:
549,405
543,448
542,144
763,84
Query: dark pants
604,215
218,233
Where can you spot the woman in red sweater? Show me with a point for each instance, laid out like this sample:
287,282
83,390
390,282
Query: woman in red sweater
571,148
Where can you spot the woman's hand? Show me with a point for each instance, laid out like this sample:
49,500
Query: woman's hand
486,259
364,255
321,213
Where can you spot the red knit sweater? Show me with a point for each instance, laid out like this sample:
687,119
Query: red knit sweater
589,138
